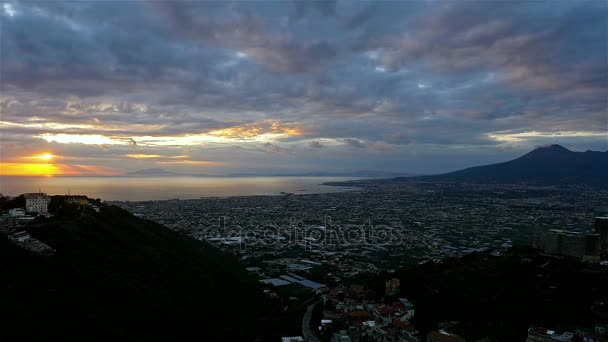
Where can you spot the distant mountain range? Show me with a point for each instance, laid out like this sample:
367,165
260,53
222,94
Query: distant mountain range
152,172
548,165
362,173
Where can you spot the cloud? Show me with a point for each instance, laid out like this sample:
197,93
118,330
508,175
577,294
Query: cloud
358,79
354,143
316,144
272,148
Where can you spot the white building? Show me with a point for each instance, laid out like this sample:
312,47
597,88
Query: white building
37,203
19,236
17,212
292,339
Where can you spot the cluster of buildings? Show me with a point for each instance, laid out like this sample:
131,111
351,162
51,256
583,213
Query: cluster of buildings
13,221
327,239
389,227
292,278
540,334
585,245
354,313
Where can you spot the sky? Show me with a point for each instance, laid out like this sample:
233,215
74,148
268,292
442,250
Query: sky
219,87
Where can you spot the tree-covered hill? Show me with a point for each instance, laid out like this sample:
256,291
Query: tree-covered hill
117,277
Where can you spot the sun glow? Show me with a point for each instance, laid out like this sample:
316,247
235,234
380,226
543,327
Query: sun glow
45,156
49,169
24,169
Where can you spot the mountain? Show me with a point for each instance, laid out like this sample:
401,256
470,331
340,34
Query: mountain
116,277
548,165
361,173
152,172
162,172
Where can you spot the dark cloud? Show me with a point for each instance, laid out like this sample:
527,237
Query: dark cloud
272,148
132,142
354,143
316,144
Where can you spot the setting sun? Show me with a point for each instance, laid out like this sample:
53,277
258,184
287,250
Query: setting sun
45,156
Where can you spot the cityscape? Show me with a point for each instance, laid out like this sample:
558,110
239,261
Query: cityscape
311,250
386,227
304,171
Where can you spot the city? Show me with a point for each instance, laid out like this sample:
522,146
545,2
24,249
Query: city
380,228
304,171
319,255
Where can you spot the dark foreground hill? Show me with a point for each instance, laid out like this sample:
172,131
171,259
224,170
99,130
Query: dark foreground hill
116,277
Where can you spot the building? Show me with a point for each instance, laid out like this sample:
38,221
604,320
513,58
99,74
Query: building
538,334
601,227
573,244
392,286
17,212
77,199
442,336
37,203
19,236
593,245
292,339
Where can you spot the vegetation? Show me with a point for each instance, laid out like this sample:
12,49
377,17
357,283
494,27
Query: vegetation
117,277
502,296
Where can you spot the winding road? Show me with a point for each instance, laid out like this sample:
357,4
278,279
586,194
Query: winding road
307,332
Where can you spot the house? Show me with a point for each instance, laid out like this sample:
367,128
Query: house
384,314
77,199
19,236
17,212
442,336
540,334
292,339
341,336
392,286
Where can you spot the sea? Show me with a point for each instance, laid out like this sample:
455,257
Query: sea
169,187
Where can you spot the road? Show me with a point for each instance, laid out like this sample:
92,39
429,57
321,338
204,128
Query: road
307,333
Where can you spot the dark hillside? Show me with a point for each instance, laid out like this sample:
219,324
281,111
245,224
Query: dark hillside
117,277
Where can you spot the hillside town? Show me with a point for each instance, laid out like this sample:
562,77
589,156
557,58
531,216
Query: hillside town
321,242
29,206
379,228
308,250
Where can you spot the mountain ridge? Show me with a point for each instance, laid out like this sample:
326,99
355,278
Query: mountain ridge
552,164
545,165
360,173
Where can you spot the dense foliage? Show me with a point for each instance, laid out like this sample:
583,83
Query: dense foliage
117,277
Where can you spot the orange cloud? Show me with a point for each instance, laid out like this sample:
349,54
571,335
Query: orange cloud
255,130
